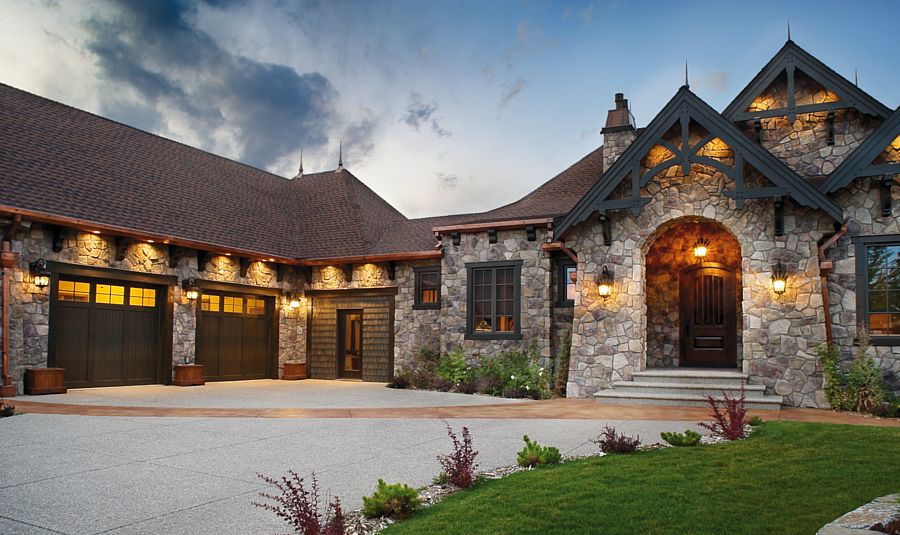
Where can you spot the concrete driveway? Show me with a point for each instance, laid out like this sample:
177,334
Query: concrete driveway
95,474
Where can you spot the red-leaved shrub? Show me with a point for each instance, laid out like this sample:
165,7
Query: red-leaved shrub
611,441
460,465
299,507
729,419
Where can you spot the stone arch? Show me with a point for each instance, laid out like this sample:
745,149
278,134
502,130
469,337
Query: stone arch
666,252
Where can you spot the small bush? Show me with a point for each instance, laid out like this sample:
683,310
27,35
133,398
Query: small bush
755,421
533,454
862,388
728,421
396,501
440,479
401,380
452,367
610,441
688,438
460,465
6,409
299,507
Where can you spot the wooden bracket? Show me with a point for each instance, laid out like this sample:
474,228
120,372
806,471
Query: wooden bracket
121,247
829,127
173,260
306,271
202,259
779,216
245,265
530,233
887,207
606,228
454,237
757,128
492,235
348,272
279,272
392,270
59,239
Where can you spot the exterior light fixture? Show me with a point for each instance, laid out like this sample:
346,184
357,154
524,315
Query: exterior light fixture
604,284
191,288
293,300
701,248
40,275
779,278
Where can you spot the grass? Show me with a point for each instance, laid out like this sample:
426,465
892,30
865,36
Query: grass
787,478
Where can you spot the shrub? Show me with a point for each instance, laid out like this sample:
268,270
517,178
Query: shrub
452,367
6,409
728,422
688,438
610,441
533,454
299,507
460,465
396,501
515,373
440,479
562,362
401,379
755,421
862,388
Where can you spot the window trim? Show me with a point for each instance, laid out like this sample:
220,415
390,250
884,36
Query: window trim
417,288
862,243
471,333
561,283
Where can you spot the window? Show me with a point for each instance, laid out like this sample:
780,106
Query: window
233,304
878,286
74,291
108,294
493,307
565,284
209,303
142,297
256,307
428,287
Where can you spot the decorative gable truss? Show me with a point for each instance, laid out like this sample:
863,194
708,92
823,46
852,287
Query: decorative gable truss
878,155
684,109
788,61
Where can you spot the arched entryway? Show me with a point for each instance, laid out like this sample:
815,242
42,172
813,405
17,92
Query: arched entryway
693,304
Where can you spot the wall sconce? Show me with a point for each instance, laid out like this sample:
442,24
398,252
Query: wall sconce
604,284
779,278
40,275
701,248
294,300
190,288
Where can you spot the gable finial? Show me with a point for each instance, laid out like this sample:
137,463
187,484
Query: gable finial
300,172
789,30
686,84
340,166
855,77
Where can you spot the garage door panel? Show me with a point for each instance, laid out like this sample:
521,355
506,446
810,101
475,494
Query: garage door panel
142,338
234,334
105,365
255,347
208,345
70,328
230,347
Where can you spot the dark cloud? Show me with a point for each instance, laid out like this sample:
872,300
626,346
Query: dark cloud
155,48
418,113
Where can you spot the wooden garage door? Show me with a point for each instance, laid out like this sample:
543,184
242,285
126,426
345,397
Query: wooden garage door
234,336
106,332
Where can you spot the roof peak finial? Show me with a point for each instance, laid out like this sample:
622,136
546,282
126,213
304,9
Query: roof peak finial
856,76
340,166
300,171
687,84
789,29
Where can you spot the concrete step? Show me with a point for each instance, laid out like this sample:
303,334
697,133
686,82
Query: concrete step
613,397
690,388
692,375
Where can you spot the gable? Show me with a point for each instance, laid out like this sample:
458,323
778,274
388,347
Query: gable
787,62
879,154
684,109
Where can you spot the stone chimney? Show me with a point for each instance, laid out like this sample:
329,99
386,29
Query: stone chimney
618,133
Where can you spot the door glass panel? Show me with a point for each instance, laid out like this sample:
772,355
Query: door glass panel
256,307
110,294
209,303
233,304
142,297
74,291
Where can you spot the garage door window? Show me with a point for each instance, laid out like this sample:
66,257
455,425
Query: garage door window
142,297
256,307
233,304
110,294
74,291
209,303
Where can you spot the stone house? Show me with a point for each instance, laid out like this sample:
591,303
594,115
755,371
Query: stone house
736,241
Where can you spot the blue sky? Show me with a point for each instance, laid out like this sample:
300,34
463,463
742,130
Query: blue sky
442,106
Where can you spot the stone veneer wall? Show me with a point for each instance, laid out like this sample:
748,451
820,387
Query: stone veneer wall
535,291
561,317
30,309
414,330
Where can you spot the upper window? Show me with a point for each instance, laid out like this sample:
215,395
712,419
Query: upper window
110,294
74,291
233,304
256,307
428,287
142,297
493,300
878,286
209,302
565,288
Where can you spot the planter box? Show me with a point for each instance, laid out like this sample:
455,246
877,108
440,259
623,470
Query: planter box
189,375
45,381
294,371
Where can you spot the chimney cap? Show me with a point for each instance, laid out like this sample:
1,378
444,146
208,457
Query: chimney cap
619,119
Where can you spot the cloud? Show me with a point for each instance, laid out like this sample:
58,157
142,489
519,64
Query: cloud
526,32
418,113
716,81
511,92
447,181
261,111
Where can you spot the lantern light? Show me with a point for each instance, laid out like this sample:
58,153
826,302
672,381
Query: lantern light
604,284
701,248
191,289
40,275
779,278
293,300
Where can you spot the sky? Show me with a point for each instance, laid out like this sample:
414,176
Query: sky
441,106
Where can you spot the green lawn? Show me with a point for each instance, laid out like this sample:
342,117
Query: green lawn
787,478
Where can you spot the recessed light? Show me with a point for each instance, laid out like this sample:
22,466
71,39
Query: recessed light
149,241
95,232
227,254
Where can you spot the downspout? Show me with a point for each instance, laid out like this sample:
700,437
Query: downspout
8,259
825,267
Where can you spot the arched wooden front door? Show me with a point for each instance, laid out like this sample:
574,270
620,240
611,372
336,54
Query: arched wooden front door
708,316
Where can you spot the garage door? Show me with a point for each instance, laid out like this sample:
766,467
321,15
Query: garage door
234,335
106,332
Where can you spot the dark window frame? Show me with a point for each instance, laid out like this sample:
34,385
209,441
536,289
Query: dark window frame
417,288
862,244
516,333
562,283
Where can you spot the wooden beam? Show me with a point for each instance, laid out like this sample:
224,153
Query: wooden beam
371,259
245,265
779,216
499,225
173,260
606,229
454,238
347,270
392,270
492,235
121,244
886,200
202,259
530,233
559,246
12,228
622,204
279,272
59,238
784,112
307,274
